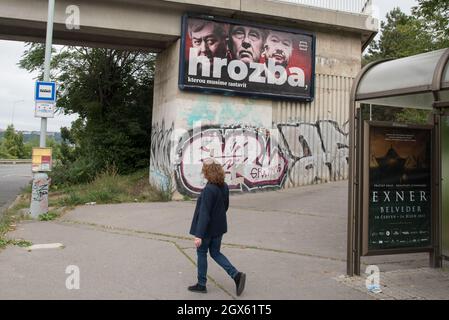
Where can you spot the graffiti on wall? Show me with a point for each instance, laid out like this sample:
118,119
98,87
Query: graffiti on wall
161,170
250,158
253,158
317,151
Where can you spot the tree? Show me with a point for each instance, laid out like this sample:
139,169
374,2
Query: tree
3,152
12,144
435,15
111,91
426,29
405,35
401,36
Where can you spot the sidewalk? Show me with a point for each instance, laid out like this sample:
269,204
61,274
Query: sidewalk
290,243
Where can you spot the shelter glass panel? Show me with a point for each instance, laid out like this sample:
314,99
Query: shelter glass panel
417,101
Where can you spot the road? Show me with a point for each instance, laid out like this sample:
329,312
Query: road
12,179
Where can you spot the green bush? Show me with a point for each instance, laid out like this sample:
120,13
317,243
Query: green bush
80,171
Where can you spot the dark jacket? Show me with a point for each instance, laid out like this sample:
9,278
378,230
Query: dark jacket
209,219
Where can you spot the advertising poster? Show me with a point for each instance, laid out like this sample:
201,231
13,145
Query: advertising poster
41,159
239,58
400,199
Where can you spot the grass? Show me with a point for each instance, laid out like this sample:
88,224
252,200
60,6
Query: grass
109,187
20,242
48,216
10,217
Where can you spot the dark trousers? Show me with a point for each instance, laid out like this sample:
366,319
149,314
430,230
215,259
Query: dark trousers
213,245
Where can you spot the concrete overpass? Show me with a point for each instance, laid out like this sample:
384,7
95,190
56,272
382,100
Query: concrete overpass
312,135
153,25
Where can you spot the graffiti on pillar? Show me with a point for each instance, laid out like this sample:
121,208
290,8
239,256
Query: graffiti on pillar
39,190
249,156
160,163
335,141
317,152
39,194
253,158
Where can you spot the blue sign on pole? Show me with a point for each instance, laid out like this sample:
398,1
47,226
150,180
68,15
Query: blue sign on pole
45,91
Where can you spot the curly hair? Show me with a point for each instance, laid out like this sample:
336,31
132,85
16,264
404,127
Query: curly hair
213,172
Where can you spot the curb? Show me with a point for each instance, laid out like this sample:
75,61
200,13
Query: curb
9,205
15,201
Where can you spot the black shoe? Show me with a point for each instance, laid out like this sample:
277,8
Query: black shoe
240,279
198,288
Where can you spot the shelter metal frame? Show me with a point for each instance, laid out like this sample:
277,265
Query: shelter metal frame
437,86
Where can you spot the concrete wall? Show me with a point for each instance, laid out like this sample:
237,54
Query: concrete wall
314,136
262,144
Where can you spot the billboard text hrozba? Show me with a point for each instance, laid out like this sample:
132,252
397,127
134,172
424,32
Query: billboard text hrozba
246,59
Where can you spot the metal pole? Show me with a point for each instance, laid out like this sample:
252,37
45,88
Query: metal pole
435,260
48,45
351,190
358,189
39,192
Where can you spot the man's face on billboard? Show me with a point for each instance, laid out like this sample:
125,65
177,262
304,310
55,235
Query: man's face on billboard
246,43
279,47
208,43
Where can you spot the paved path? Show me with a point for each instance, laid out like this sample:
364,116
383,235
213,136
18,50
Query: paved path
12,179
291,244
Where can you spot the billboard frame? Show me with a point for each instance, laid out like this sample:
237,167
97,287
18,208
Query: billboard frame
229,92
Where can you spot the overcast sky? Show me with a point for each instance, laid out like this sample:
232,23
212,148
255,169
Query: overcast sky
17,85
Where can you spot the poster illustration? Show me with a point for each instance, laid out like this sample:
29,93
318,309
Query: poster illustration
400,199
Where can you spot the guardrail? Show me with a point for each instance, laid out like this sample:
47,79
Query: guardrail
352,6
14,161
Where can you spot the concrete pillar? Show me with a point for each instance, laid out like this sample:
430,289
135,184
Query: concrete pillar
39,195
263,144
190,126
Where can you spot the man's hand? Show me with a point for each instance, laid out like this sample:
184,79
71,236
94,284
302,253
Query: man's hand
197,242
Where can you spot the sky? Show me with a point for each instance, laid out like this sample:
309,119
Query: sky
17,85
17,93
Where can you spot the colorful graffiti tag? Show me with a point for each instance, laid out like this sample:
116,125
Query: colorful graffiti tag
249,157
160,160
317,151
253,158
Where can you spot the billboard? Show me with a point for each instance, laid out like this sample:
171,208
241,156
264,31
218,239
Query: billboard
398,206
239,58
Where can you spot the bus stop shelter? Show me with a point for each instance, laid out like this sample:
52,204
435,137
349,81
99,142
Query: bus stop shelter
420,82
